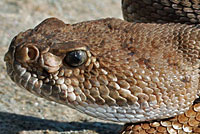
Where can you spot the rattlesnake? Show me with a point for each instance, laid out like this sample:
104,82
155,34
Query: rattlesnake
140,73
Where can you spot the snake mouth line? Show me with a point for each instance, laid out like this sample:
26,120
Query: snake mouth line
23,78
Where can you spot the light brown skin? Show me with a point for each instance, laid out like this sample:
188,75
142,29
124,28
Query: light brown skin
164,11
150,69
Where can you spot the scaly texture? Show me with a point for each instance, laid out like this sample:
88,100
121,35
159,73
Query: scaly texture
162,11
185,123
112,69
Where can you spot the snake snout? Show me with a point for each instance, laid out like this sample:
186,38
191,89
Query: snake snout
8,57
27,53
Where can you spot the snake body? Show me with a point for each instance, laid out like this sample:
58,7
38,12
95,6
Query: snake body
117,70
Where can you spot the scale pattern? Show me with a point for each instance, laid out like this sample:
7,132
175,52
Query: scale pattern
189,122
162,11
134,72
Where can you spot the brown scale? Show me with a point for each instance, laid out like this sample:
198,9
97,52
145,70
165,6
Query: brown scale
189,123
127,63
162,11
182,11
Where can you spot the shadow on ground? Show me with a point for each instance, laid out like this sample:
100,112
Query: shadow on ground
15,123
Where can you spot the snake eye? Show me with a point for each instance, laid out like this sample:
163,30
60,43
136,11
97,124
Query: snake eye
75,58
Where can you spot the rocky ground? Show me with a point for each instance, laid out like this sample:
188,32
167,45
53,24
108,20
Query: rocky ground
24,113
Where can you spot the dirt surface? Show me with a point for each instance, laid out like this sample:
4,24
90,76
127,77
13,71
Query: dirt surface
24,113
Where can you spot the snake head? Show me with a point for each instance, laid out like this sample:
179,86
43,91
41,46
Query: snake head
48,65
108,68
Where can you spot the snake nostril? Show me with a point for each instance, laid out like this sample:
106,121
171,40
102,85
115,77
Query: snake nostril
27,53
32,53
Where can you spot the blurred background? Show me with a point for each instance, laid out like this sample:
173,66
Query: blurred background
24,113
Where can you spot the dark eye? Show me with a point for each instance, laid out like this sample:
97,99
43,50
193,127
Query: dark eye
76,58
